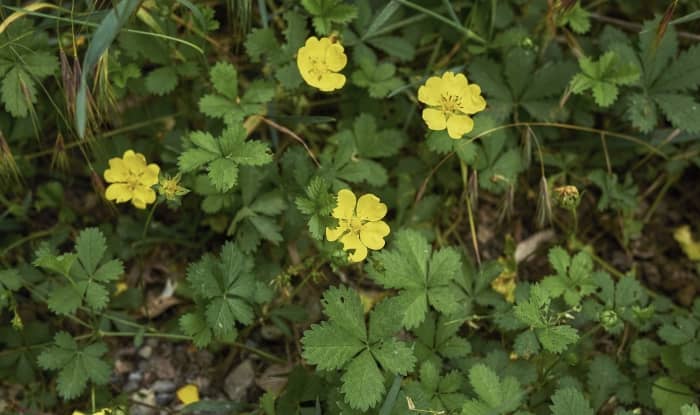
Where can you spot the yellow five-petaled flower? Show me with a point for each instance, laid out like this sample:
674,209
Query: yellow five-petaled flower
131,179
359,224
450,100
319,62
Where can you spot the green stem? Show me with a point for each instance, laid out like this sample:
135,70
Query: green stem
148,219
468,33
171,336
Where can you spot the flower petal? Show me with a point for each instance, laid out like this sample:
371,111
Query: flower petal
149,177
455,84
337,232
351,241
330,81
145,194
430,93
117,171
372,234
435,119
119,192
136,162
345,209
458,125
472,101
335,57
369,207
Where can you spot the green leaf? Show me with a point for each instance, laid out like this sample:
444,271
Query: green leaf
252,153
65,299
683,74
603,77
18,92
343,306
363,383
40,64
329,346
223,174
90,247
195,325
225,79
225,287
682,110
327,12
501,396
641,112
669,395
556,339
161,81
486,384
394,356
408,267
318,204
260,41
76,365
570,401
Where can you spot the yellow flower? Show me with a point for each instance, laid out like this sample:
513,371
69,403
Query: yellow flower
359,224
131,179
188,394
319,62
505,285
450,100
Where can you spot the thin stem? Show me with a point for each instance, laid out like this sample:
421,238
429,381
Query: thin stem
468,33
148,219
171,336
261,353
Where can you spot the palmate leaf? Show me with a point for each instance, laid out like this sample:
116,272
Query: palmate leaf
344,343
76,365
222,157
227,289
86,271
423,279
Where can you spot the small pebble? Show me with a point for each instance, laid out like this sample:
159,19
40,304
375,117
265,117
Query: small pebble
146,352
163,399
163,386
135,376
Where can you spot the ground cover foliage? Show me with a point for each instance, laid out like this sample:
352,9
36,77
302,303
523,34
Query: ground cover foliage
397,207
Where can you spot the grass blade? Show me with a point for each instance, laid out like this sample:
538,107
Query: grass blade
101,40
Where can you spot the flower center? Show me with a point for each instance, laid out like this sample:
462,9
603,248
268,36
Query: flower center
318,68
450,103
355,225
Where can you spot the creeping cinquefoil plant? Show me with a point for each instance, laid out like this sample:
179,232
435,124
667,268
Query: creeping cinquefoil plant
404,207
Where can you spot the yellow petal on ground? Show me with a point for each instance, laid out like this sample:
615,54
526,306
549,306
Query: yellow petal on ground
335,57
685,239
369,207
351,242
335,233
458,125
435,119
330,81
345,209
430,93
188,394
120,287
372,234
118,192
77,413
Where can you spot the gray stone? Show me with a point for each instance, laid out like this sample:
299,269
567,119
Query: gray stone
165,398
239,381
163,386
146,352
